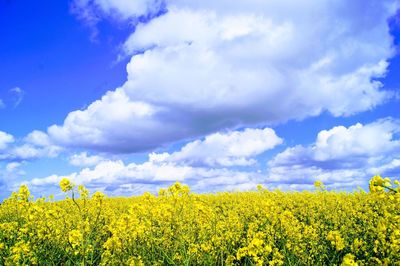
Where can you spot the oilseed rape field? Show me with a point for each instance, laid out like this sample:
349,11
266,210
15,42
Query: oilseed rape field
177,227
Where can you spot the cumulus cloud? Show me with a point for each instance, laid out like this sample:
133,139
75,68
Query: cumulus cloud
83,159
38,138
5,140
358,140
11,167
35,145
91,12
341,156
29,152
117,178
201,163
114,123
124,9
205,66
8,173
237,148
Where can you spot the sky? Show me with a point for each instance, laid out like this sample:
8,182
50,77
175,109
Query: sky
131,96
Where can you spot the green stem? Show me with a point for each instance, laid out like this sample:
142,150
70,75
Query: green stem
391,189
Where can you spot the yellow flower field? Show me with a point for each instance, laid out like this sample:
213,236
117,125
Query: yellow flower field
177,227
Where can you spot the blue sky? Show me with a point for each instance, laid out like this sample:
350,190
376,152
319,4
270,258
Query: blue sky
130,96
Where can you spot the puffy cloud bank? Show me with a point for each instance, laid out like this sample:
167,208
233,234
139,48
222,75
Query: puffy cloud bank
230,149
204,66
34,146
206,164
341,157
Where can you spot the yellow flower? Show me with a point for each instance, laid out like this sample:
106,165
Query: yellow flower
348,260
83,191
336,240
75,238
98,196
24,193
236,228
319,185
66,185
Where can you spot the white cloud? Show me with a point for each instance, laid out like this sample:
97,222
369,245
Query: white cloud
5,140
2,105
391,168
36,145
341,156
113,123
17,94
357,140
119,8
91,12
202,163
38,138
29,152
83,159
115,177
224,65
11,167
208,66
8,174
224,149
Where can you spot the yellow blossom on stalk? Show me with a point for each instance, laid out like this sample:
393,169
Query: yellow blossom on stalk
75,238
135,262
348,260
83,192
66,185
336,240
175,188
319,185
98,196
162,192
24,193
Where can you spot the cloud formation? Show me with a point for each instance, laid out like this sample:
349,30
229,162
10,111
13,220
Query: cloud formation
237,148
200,163
118,8
83,159
117,178
34,146
207,66
341,156
91,12
5,140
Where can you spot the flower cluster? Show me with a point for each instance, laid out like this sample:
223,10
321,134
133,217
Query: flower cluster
178,227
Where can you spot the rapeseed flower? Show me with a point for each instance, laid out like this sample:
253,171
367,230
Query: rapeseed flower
66,185
179,227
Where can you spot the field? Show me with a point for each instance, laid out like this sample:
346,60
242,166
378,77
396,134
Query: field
177,227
